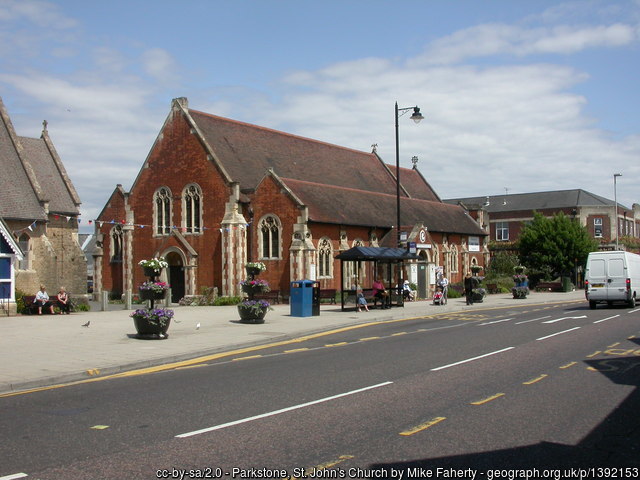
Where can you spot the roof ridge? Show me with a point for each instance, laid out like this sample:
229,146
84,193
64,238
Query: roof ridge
279,132
326,185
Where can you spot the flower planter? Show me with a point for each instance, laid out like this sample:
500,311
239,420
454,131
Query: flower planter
151,272
252,271
152,295
253,289
251,314
145,327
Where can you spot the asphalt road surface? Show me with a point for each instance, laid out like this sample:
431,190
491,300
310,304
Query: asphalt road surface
552,389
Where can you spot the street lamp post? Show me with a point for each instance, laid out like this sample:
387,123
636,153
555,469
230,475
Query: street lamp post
615,197
416,117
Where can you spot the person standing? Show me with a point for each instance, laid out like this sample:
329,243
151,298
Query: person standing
42,299
468,288
443,282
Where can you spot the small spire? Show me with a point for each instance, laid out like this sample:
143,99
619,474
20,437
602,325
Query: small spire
374,148
44,125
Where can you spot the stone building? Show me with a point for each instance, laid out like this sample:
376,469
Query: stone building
215,193
40,206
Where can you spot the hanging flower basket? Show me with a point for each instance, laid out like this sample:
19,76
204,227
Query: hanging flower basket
252,271
153,267
152,294
255,268
151,272
252,287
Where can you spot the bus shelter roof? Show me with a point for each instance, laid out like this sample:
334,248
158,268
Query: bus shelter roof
379,254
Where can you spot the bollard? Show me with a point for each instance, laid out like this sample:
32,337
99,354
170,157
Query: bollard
127,300
105,300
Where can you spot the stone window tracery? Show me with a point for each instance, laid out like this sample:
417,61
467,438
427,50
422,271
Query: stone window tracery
162,211
270,234
192,209
325,258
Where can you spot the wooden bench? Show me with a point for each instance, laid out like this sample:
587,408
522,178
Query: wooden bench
327,294
32,307
272,296
549,287
492,287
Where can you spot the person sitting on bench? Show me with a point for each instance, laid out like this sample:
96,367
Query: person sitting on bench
42,300
63,301
381,293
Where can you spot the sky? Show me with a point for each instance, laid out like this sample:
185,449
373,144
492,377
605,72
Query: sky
518,96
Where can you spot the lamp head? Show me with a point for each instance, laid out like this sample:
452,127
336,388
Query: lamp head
416,116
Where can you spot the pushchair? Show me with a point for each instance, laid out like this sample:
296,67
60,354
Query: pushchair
438,297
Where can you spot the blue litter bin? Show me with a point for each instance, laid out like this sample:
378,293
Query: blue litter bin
301,298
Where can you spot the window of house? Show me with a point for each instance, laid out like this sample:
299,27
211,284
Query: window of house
116,244
597,227
162,211
502,231
325,258
270,233
25,245
192,209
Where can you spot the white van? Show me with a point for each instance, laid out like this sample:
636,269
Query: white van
612,277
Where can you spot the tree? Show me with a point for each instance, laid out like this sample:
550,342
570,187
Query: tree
554,246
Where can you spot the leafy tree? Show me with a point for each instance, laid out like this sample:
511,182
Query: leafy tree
503,263
554,246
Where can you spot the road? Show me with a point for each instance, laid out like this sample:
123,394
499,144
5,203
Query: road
551,387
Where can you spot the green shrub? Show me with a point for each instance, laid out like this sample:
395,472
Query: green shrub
453,293
20,306
221,301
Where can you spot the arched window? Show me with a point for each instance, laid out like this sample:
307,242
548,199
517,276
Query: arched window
192,209
25,245
454,258
269,230
325,258
162,211
116,244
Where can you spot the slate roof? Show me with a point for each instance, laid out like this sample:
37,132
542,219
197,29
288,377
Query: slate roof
247,151
348,206
49,176
32,174
535,201
19,199
338,185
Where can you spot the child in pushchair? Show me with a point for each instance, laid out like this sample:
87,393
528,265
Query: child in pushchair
438,296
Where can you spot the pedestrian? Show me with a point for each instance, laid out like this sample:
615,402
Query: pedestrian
42,300
443,282
468,288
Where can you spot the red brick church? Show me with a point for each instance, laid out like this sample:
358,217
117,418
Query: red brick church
215,193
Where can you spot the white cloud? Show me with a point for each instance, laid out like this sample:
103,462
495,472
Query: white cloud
495,39
159,64
40,13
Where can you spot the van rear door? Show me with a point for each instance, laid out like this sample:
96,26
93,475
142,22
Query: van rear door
597,279
616,279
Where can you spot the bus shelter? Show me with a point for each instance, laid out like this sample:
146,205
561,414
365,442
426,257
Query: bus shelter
359,266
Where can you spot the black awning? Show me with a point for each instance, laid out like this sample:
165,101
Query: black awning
381,254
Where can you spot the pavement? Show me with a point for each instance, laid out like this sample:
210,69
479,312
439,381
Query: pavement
40,351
